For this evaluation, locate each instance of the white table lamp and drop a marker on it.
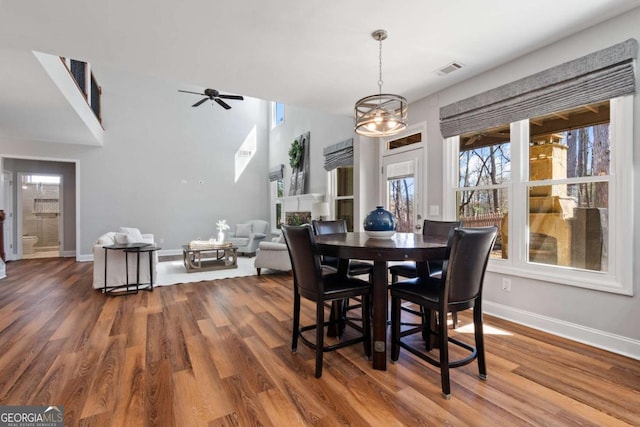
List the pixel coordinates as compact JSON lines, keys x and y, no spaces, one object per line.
{"x":320,"y":210}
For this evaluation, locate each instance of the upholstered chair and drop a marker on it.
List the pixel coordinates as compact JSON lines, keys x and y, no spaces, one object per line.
{"x":248,"y":235}
{"x":310,"y":283}
{"x":458,"y":288}
{"x":272,"y":255}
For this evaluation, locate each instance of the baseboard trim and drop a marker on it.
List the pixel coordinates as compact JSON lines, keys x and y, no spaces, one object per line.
{"x":593,"y":337}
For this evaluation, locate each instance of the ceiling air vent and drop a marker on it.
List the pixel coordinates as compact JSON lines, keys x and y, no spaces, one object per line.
{"x":450,"y":68}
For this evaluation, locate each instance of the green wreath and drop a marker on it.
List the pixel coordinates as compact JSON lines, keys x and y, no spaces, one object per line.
{"x":295,"y":154}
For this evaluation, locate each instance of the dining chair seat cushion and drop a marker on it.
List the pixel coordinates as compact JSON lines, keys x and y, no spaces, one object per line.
{"x":335,"y":286}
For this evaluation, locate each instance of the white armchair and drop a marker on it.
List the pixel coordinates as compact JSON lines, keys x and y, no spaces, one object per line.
{"x":273,"y":255}
{"x":247,"y":236}
{"x":116,"y":268}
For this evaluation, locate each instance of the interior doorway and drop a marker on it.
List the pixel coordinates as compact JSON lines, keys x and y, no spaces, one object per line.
{"x":40,"y":215}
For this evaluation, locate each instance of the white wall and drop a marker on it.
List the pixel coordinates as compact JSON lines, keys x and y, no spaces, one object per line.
{"x":156,"y":150}
{"x":605,"y":320}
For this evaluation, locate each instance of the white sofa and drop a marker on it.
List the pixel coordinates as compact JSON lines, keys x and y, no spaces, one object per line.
{"x":116,"y":268}
{"x":273,"y":255}
{"x":247,"y":236}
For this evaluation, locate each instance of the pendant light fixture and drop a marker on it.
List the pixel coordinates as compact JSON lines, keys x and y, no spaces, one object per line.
{"x":382,"y":114}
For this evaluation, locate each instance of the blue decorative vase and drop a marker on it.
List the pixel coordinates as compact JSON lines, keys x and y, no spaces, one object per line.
{"x":380,"y":223}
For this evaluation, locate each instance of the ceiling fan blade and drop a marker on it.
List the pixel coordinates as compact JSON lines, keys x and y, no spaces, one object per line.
{"x":238,"y":97}
{"x":200,"y":102}
{"x":223,"y":104}
{"x":188,"y":91}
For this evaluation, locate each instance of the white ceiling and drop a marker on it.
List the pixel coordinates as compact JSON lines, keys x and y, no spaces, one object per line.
{"x":317,"y":54}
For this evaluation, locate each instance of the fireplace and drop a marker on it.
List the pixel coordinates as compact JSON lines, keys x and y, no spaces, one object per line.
{"x":296,"y":210}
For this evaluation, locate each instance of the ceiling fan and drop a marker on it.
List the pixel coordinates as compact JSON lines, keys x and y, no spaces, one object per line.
{"x":216,"y":96}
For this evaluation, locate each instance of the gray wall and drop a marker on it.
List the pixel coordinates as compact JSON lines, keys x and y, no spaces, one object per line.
{"x":600,"y":318}
{"x":157,"y":149}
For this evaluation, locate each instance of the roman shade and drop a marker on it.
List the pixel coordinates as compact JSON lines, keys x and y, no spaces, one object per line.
{"x":276,"y":173}
{"x":599,"y":76}
{"x":340,"y":154}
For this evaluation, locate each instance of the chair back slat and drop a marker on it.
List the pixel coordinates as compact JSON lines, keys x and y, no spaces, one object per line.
{"x":468,"y":257}
{"x":305,"y":261}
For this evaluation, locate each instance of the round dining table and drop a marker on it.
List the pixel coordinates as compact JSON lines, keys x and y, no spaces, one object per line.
{"x":399,"y":247}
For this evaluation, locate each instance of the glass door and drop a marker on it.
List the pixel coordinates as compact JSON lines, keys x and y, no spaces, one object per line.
{"x":403,"y":190}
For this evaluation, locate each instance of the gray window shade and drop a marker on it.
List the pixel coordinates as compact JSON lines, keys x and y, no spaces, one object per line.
{"x":340,"y":154}
{"x":599,"y":76}
{"x":276,"y":173}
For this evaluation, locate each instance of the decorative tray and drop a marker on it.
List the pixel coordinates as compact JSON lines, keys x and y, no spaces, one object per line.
{"x":208,"y":244}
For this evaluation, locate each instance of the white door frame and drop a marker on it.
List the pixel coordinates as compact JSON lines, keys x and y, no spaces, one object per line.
{"x":416,"y":153}
{"x":7,"y":186}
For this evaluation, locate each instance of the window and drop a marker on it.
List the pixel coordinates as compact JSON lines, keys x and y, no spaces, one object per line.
{"x":484,"y":174}
{"x":277,"y":192}
{"x":568,"y":187}
{"x":557,"y":186}
{"x":343,"y":191}
{"x":405,"y":141}
{"x":277,"y":114}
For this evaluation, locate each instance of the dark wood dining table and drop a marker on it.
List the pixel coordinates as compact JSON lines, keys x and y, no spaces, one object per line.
{"x":400,"y":247}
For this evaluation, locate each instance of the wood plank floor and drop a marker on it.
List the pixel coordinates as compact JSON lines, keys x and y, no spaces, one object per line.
{"x":217,"y":353}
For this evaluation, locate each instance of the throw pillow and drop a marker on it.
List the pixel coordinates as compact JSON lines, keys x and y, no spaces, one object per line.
{"x":120,"y":238}
{"x":243,"y":230}
{"x":280,"y":239}
{"x":133,"y":234}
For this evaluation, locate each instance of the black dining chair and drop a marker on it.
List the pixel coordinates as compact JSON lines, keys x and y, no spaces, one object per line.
{"x":355,"y":268}
{"x":310,"y":283}
{"x":430,"y":229}
{"x":339,"y":226}
{"x":434,"y":230}
{"x":459,"y":288}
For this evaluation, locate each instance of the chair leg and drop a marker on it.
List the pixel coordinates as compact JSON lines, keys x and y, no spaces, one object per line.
{"x":258,"y":269}
{"x":444,"y":353}
{"x":395,"y":328}
{"x":296,"y":322}
{"x":454,"y":318}
{"x":319,"y":337}
{"x":479,"y":337}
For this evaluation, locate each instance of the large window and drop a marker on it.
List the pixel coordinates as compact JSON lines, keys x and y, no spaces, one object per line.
{"x":557,"y":186}
{"x":568,"y":185}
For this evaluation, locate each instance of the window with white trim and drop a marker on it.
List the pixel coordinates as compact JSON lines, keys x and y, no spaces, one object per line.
{"x":342,"y":191}
{"x":277,"y":114}
{"x":562,"y":188}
